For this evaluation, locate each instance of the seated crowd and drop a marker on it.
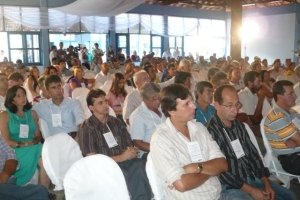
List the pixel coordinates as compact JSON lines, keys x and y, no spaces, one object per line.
{"x":193,"y":119}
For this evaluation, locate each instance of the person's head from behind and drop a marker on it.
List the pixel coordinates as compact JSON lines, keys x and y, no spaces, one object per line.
{"x":204,"y":92}
{"x":177,"y":103}
{"x":226,"y":102}
{"x":252,"y":81}
{"x":15,"y":79}
{"x":140,"y":78}
{"x":16,"y":99}
{"x":220,"y":78}
{"x":211,"y":72}
{"x":284,"y":94}
{"x":183,"y":78}
{"x":184,"y":66}
{"x":54,"y":87}
{"x":150,"y":94}
{"x":97,"y":102}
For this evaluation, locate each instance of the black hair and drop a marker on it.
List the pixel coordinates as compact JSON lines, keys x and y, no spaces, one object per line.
{"x":95,"y":93}
{"x":52,"y":79}
{"x":169,"y":95}
{"x":278,"y":87}
{"x":219,"y":91}
{"x":10,"y":95}
{"x":250,"y":76}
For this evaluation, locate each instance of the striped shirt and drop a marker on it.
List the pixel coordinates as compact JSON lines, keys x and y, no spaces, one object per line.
{"x":279,"y":128}
{"x":250,"y":165}
{"x":91,"y":139}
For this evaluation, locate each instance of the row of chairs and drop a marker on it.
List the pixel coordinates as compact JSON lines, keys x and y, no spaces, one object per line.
{"x":93,"y":177}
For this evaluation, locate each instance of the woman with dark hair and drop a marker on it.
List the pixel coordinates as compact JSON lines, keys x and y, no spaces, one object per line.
{"x":266,"y":84}
{"x":117,"y":94}
{"x":19,"y":128}
{"x":32,"y":83}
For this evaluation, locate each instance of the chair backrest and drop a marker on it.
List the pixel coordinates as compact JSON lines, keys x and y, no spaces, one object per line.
{"x":155,"y":181}
{"x":253,"y":140}
{"x":272,"y":162}
{"x":95,"y":177}
{"x":59,"y":152}
{"x":44,"y":128}
{"x":80,"y":91}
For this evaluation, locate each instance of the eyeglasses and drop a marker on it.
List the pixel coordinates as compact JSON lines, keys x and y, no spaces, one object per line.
{"x":237,"y":106}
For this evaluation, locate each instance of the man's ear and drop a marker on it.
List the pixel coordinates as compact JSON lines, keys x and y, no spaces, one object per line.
{"x":91,"y":108}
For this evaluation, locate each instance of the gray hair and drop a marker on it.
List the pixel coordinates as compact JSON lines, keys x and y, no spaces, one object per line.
{"x":149,"y":89}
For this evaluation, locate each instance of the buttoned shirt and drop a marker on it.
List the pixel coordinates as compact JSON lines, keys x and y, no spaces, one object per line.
{"x":204,"y":116}
{"x":279,"y":127}
{"x":169,"y":153}
{"x":143,"y":123}
{"x":131,"y":102}
{"x":91,"y":138}
{"x":102,"y":78}
{"x":249,"y":165}
{"x":6,"y":153}
{"x":70,"y":111}
{"x":250,"y":100}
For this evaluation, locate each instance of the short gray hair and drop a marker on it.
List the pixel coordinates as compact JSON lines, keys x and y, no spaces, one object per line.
{"x":149,"y":89}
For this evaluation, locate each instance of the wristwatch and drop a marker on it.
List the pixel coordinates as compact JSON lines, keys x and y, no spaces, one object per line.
{"x":199,"y":167}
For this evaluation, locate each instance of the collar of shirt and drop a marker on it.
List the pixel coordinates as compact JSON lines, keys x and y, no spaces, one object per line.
{"x":191,"y":127}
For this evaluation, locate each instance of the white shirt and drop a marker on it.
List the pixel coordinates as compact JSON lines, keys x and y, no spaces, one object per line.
{"x":169,"y":153}
{"x":250,"y":100}
{"x":143,"y":123}
{"x":2,"y":100}
{"x":102,"y":78}
{"x":131,"y":102}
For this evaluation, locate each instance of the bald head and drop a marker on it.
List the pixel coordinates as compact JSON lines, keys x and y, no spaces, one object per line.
{"x":184,"y":66}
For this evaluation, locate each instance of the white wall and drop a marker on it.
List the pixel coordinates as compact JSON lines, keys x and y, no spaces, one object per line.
{"x":274,"y":39}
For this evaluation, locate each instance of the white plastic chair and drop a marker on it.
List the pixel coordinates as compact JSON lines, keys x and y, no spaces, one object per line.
{"x":155,"y":181}
{"x":80,"y":91}
{"x":80,"y":94}
{"x":272,"y":162}
{"x":44,"y":128}
{"x":59,"y":152}
{"x":95,"y":177}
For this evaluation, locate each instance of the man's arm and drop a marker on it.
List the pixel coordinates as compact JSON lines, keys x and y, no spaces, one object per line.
{"x":257,"y":116}
{"x":194,"y":178}
{"x":128,"y":154}
{"x":145,"y":146}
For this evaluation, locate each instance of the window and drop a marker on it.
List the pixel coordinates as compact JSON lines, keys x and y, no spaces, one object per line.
{"x":24,"y":46}
{"x":176,"y":42}
{"x":156,"y":43}
{"x":139,"y":43}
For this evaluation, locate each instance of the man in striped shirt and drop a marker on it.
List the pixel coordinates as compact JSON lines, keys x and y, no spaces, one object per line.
{"x":247,"y":178}
{"x":282,"y":127}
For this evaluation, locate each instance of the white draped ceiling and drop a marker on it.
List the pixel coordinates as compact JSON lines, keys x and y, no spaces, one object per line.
{"x":94,"y":14}
{"x":105,"y":8}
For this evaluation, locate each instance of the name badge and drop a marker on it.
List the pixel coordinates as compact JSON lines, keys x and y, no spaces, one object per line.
{"x":195,"y":152}
{"x":110,"y":139}
{"x":24,"y":131}
{"x":237,"y":148}
{"x":296,"y":122}
{"x":83,"y":85}
{"x":56,"y":120}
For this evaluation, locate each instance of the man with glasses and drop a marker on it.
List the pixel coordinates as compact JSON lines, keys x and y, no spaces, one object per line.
{"x":246,"y":178}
